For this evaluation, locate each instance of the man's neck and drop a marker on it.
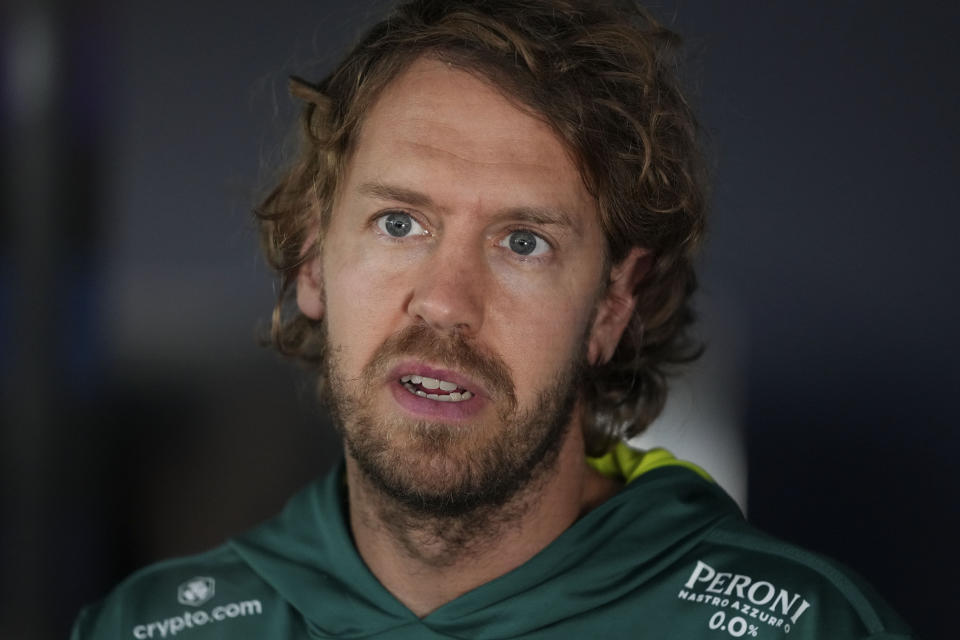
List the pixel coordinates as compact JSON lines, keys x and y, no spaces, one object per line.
{"x":427,"y":562}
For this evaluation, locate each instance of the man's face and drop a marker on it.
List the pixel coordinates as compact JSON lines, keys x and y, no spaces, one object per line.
{"x":459,"y":280}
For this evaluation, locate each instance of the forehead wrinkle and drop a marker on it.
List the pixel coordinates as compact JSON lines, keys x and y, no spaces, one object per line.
{"x":489,"y":163}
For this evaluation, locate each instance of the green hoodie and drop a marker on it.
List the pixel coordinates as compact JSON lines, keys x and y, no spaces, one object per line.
{"x":670,"y":556}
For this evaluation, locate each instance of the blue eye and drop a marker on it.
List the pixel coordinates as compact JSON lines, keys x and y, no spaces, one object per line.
{"x":525,"y":243}
{"x":399,"y":224}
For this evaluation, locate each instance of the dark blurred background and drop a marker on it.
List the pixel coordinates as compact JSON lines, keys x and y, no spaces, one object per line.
{"x":141,"y":419}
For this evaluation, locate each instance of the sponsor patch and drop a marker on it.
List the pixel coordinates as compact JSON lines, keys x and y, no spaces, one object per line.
{"x":745,"y":607}
{"x":194,"y":593}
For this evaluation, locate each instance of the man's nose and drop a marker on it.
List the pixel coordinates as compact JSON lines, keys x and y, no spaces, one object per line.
{"x":448,"y":294}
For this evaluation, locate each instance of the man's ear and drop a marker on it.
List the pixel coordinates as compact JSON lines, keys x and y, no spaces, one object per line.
{"x":617,"y":305}
{"x":310,"y":285}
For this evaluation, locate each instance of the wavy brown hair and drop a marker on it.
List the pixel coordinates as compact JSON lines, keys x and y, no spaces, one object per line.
{"x":604,"y":76}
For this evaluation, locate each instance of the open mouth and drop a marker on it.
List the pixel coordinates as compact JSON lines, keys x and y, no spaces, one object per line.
{"x":434,"y":389}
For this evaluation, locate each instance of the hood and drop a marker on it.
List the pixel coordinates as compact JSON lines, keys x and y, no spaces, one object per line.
{"x":307,"y":554}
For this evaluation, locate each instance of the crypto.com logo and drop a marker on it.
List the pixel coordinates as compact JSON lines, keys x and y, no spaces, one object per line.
{"x":195,"y":591}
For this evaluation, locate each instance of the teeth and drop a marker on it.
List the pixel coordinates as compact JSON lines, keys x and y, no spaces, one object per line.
{"x":429,"y":383}
{"x":440,"y":397}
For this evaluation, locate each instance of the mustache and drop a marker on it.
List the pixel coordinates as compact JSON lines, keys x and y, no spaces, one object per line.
{"x":451,"y":350}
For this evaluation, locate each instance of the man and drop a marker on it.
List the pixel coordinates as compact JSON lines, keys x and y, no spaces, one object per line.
{"x":488,"y":238}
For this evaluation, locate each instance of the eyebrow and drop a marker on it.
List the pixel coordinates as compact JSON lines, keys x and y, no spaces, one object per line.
{"x":547,"y":216}
{"x":382,"y":191}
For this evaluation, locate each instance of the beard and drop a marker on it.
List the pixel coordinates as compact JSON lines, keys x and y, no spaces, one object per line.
{"x":443,"y":470}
